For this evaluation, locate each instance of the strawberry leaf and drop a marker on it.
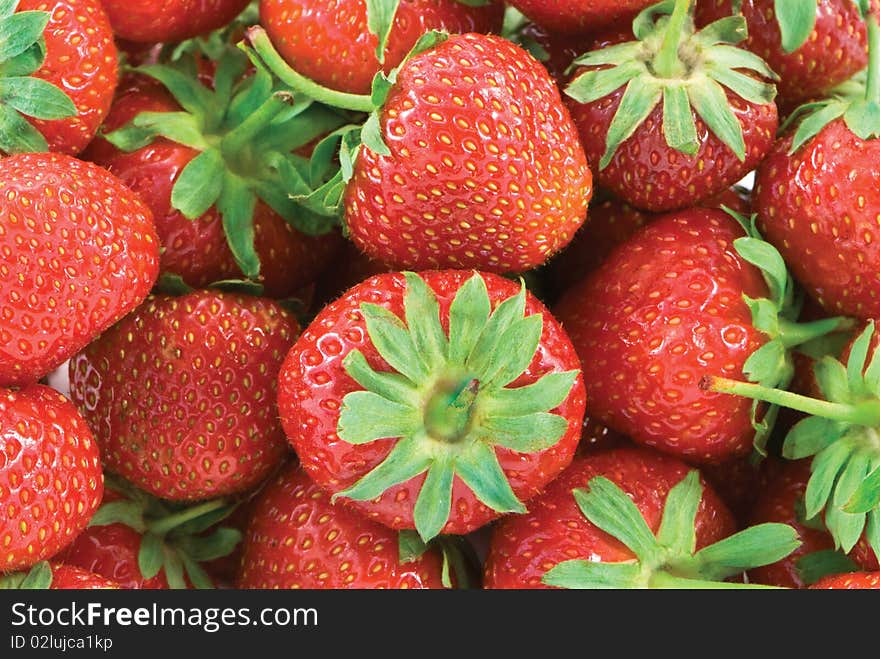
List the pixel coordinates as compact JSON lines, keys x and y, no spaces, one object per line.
{"x":678,"y":525}
{"x":810,"y":436}
{"x":236,"y":204}
{"x":36,"y":98}
{"x":579,"y":574}
{"x":17,"y":135}
{"x":380,"y":21}
{"x":710,"y":102}
{"x":199,"y":185}
{"x":435,"y":499}
{"x":796,"y":21}
{"x":818,"y":564}
{"x":637,"y":102}
{"x":151,"y":555}
{"x":480,"y":471}
{"x":753,"y":547}
{"x":20,"y":31}
{"x":679,"y":128}
{"x":867,"y":495}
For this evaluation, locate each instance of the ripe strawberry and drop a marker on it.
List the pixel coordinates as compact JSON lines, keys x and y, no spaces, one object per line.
{"x":604,"y":536}
{"x":820,"y":50}
{"x":579,"y":16}
{"x":442,"y":423}
{"x":850,"y":581}
{"x":198,"y":248}
{"x":140,"y":542}
{"x":181,"y":393}
{"x":50,"y":475}
{"x":665,"y":128}
{"x":56,"y":576}
{"x":679,"y":300}
{"x":170,"y":20}
{"x":298,"y":539}
{"x":468,"y":160}
{"x":78,"y":251}
{"x":336,"y":43}
{"x":59,"y":71}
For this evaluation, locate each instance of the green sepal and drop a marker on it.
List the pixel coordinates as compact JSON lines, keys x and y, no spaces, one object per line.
{"x":20,"y":31}
{"x":833,"y":379}
{"x":594,"y":84}
{"x":812,"y":124}
{"x":391,"y":386}
{"x":796,"y":21}
{"x":724,"y":31}
{"x":678,"y":525}
{"x":193,"y":96}
{"x":405,"y":461}
{"x":391,"y":338}
{"x":151,"y":555}
{"x":371,"y":136}
{"x":481,"y":472}
{"x":36,"y":98}
{"x":609,"y":508}
{"x":194,"y":572}
{"x":380,"y":21}
{"x":410,"y":547}
{"x":39,"y":577}
{"x":124,"y":511}
{"x":172,"y":564}
{"x":825,"y":468}
{"x":580,"y":574}
{"x":468,"y":316}
{"x":216,"y":545}
{"x":199,"y":185}
{"x":710,"y":102}
{"x":872,"y":531}
{"x":638,"y":101}
{"x":679,"y":128}
{"x":17,"y":135}
{"x":422,"y":316}
{"x":367,"y":416}
{"x":434,"y":502}
{"x":236,"y":204}
{"x":818,"y":564}
{"x":752,"y":547}
{"x":867,"y":496}
{"x":24,"y":63}
{"x":810,"y":436}
{"x":7,"y":7}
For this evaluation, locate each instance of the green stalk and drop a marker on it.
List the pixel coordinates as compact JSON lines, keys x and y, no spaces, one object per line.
{"x":665,"y":580}
{"x":166,"y":524}
{"x":236,"y":140}
{"x":794,"y":334}
{"x":449,"y":412}
{"x":866,"y":413}
{"x":258,"y":39}
{"x":872,"y":91}
{"x":667,"y":63}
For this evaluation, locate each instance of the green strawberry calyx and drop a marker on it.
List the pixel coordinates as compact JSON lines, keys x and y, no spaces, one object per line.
{"x":447,"y":401}
{"x":796,"y":21}
{"x":688,"y":71}
{"x":772,"y":365}
{"x":669,"y":559}
{"x":460,"y":566}
{"x":39,"y":577}
{"x":246,"y":131}
{"x":22,"y":53}
{"x":173,"y":536}
{"x":857,"y":100}
{"x":824,"y":563}
{"x":319,"y":189}
{"x":841,"y":435}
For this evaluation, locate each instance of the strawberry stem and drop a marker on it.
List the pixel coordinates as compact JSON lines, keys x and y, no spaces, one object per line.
{"x":163,"y":526}
{"x":257,"y":39}
{"x":449,"y":411}
{"x":235,"y":142}
{"x":872,"y":91}
{"x":667,"y":63}
{"x":794,"y":334}
{"x":865,"y":413}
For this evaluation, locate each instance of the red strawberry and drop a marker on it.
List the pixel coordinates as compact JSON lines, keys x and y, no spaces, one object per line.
{"x":140,"y":542}
{"x":78,"y":250}
{"x":663,"y":129}
{"x":50,"y":475}
{"x":579,"y":16}
{"x":56,"y":576}
{"x":488,"y":406}
{"x":850,"y":581}
{"x":170,"y":20}
{"x":820,"y":50}
{"x":485,"y":169}
{"x":604,"y":535}
{"x":667,"y":308}
{"x":181,"y":393}
{"x":333,"y":43}
{"x":197,"y":249}
{"x":69,"y":45}
{"x":298,"y":539}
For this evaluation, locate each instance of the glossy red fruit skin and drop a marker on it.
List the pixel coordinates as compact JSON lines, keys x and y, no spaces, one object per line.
{"x":524,"y":547}
{"x":485,"y":170}
{"x":329,"y":41}
{"x":181,"y":393}
{"x":81,"y":61}
{"x":783,"y":487}
{"x":579,"y":16}
{"x":78,"y":250}
{"x":69,"y":577}
{"x":665,"y":309}
{"x":819,"y":208}
{"x":50,"y":475}
{"x":297,"y":539}
{"x":169,"y":20}
{"x":197,"y":250}
{"x":650,"y":175}
{"x":835,"y":50}
{"x":313,"y":383}
{"x":849,"y":581}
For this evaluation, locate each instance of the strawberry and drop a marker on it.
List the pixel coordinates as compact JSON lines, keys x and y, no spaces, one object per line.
{"x":850,"y":581}
{"x":59,"y":72}
{"x":628,"y":518}
{"x":56,"y":576}
{"x":181,"y":393}
{"x":140,"y":542}
{"x":687,"y":295}
{"x":675,"y":116}
{"x":579,"y":16}
{"x":78,"y":250}
{"x":198,"y":248}
{"x":468,"y":159}
{"x":50,"y":475}
{"x":170,"y":20}
{"x":205,"y":143}
{"x":812,"y":49}
{"x":298,"y":539}
{"x":336,"y":43}
{"x":436,"y":401}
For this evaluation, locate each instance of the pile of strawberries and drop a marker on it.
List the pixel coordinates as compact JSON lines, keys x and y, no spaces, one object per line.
{"x":439,"y":293}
